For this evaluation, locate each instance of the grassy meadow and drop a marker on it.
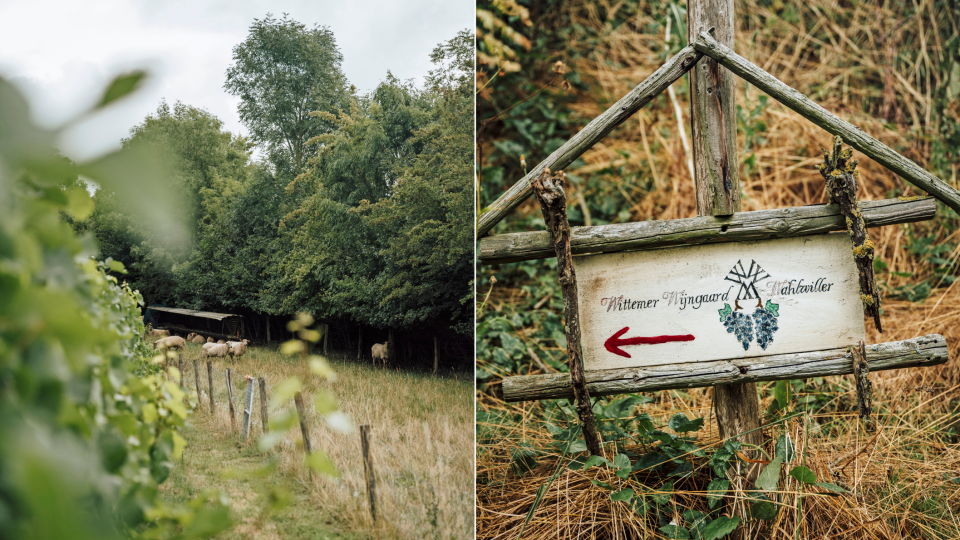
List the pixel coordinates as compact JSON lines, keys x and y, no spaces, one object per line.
{"x":890,"y":68}
{"x":422,"y":427}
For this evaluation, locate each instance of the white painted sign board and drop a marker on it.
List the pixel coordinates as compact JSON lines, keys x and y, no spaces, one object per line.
{"x":718,"y":301}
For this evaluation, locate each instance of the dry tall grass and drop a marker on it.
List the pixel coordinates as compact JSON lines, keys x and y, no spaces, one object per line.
{"x":423,"y":442}
{"x":872,"y":67}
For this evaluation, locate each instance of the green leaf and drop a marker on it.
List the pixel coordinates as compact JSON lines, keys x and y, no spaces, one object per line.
{"x":675,"y":532}
{"x":318,"y":461}
{"x":772,"y":308}
{"x":770,"y":476}
{"x":782,"y":394}
{"x":784,"y":449}
{"x":523,"y":460}
{"x":765,"y":510}
{"x":325,"y":402}
{"x":601,"y":484}
{"x":622,"y":495}
{"x":681,"y":424}
{"x":663,"y":494}
{"x":831,"y":487}
{"x":803,"y":474}
{"x":727,"y":310}
{"x":121,"y":86}
{"x":716,"y":490}
{"x":720,"y":527}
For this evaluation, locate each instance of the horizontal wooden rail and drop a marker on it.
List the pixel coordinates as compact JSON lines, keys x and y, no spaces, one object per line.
{"x":851,"y":134}
{"x":923,"y":351}
{"x":650,"y":88}
{"x":740,"y":227}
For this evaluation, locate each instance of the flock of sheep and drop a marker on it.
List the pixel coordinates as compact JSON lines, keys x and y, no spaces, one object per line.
{"x":233,"y":349}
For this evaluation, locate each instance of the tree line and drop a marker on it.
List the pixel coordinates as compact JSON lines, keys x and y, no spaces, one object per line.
{"x":358,"y":207}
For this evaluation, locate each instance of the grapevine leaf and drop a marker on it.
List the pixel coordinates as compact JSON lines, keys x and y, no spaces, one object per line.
{"x":772,"y":308}
{"x":727,"y":310}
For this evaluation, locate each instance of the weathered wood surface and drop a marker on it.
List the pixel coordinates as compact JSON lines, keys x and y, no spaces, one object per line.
{"x":196,"y":379}
{"x":298,"y":400}
{"x":233,"y":413}
{"x":553,"y":206}
{"x":264,"y":415}
{"x":713,"y":114}
{"x":861,"y":373}
{"x":852,"y":135}
{"x":210,"y":384}
{"x":247,"y":409}
{"x":740,"y":227}
{"x":597,"y":129}
{"x":929,"y":350}
{"x":840,"y":173}
{"x":683,"y":296}
{"x":365,"y":437}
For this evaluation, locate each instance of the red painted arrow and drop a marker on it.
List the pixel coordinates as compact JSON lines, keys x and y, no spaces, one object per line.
{"x":614,"y":343}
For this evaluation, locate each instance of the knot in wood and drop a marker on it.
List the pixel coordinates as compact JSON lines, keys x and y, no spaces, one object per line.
{"x":781,"y":226}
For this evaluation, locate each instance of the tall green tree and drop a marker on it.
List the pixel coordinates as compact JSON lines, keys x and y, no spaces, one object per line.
{"x":282,"y":72}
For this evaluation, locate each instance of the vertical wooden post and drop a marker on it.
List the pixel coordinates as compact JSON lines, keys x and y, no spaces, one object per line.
{"x":263,"y":405}
{"x":233,"y":418}
{"x":360,"y":344}
{"x":716,"y":163}
{"x":553,"y":206}
{"x":247,"y":408}
{"x":180,"y":368}
{"x":717,"y":180}
{"x":210,"y":383}
{"x":326,"y":337}
{"x":196,"y":379}
{"x":436,"y":356}
{"x":298,"y":399}
{"x":368,"y":470}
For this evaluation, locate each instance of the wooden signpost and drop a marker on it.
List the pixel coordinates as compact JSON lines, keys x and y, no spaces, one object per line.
{"x":727,"y":298}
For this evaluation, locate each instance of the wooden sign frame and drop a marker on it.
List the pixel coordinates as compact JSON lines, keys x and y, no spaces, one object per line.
{"x":786,"y":222}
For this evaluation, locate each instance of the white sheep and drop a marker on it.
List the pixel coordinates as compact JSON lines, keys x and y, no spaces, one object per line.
{"x":380,"y":352}
{"x":197,"y":339}
{"x":214,"y":349}
{"x":172,"y":342}
{"x":237,"y":348}
{"x":158,"y":332}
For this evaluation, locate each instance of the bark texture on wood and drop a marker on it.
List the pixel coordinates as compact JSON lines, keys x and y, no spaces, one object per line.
{"x":712,"y":113}
{"x":264,"y":415}
{"x":247,"y":409}
{"x":553,"y":205}
{"x":597,"y":129}
{"x":861,"y":370}
{"x":854,"y":136}
{"x":841,"y":175}
{"x":196,"y":378}
{"x":368,"y":470}
{"x":740,"y":227}
{"x":298,"y":399}
{"x":233,"y":415}
{"x":210,"y":383}
{"x":930,"y":350}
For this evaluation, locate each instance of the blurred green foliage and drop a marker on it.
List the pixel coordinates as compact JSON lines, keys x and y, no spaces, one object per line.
{"x":89,"y":424}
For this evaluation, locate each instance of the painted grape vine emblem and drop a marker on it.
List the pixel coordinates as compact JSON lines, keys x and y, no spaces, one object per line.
{"x":763,"y":322}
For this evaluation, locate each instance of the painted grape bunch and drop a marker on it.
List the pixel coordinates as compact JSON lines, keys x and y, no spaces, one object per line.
{"x":763,"y":324}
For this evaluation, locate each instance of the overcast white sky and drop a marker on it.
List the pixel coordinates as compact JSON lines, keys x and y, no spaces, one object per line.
{"x":62,"y":52}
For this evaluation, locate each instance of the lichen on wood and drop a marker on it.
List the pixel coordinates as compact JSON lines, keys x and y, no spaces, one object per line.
{"x":841,"y":174}
{"x":553,"y":204}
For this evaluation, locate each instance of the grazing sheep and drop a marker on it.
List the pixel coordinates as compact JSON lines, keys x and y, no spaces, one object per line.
{"x":191,"y":335}
{"x":210,"y":340}
{"x":214,"y":349}
{"x":171,"y":342}
{"x":221,"y":341}
{"x":159,"y":333}
{"x":197,"y":339}
{"x":380,"y":352}
{"x":237,"y":348}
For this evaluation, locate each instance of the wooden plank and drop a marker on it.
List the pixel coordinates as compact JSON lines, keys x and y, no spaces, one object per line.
{"x":713,"y":115}
{"x":682,"y":298}
{"x":597,"y":129}
{"x":742,"y":226}
{"x":365,"y":437}
{"x":851,"y":134}
{"x":929,"y":350}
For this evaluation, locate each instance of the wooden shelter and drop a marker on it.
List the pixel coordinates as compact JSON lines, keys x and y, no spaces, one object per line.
{"x":206,"y":323}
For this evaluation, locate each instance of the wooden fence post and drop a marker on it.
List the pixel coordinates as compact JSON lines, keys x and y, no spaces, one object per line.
{"x":196,"y":379}
{"x":263,"y":405}
{"x":298,"y":399}
{"x":233,"y":417}
{"x":247,"y":408}
{"x":436,"y":355}
{"x":210,"y":383}
{"x":180,"y":368}
{"x":368,"y":471}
